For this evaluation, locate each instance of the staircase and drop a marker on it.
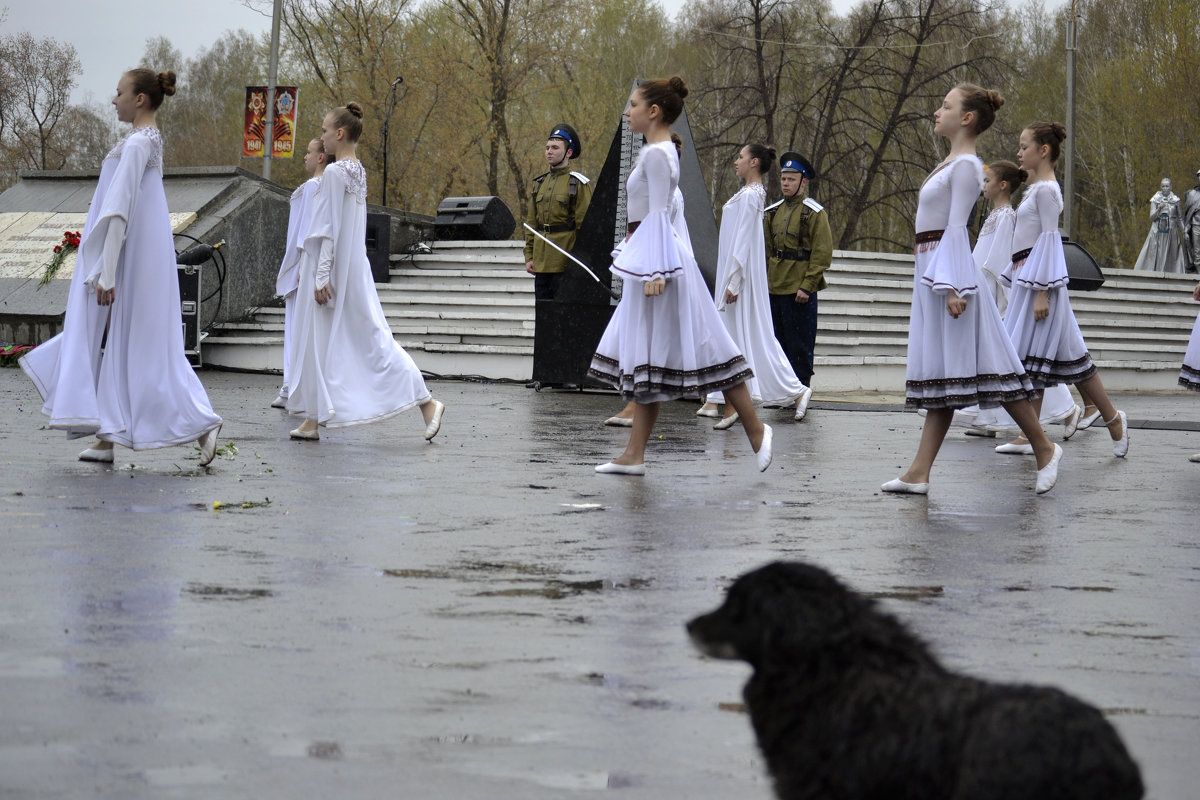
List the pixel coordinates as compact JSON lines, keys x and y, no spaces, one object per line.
{"x":467,"y":308}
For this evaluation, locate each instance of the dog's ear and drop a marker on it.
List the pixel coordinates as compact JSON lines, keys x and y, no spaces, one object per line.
{"x":794,"y":611}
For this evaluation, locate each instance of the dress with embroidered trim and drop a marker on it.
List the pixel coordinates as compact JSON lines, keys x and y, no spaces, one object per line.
{"x":993,"y":254}
{"x":742,"y":270}
{"x":674,"y":344}
{"x":953,"y":363}
{"x":139,"y":391}
{"x":1052,"y":350}
{"x":299,"y":218}
{"x":1189,"y":375}
{"x":349,"y":370}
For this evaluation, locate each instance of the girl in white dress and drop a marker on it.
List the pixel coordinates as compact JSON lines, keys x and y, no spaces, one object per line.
{"x":958,"y":354}
{"x":1189,"y":375}
{"x":1040,"y":321}
{"x":118,"y":369}
{"x":993,"y":253}
{"x":299,"y":217}
{"x":741,"y":290}
{"x":349,"y":370}
{"x":665,"y":340}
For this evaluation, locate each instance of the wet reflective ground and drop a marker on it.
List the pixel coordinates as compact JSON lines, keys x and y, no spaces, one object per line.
{"x":484,"y":617}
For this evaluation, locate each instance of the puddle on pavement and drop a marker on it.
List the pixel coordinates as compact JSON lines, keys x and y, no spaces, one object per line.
{"x":908,"y":593}
{"x":210,"y":592}
{"x":326,"y":751}
{"x":142,"y":509}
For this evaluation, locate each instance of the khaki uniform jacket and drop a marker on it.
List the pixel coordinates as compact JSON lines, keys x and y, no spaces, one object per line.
{"x":550,"y":208}
{"x":797,"y":224}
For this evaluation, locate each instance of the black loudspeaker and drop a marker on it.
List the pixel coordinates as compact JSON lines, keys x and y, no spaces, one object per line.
{"x":473,"y":218}
{"x":379,"y":246}
{"x":1082,"y":269}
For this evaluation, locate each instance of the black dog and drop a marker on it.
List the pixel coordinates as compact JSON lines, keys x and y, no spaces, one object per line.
{"x":848,"y":705}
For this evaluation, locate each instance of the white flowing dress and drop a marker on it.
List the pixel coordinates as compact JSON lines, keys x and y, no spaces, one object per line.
{"x":348,"y":368}
{"x":1189,"y":375}
{"x":139,"y":391}
{"x":1052,"y":350}
{"x":671,"y":345}
{"x":742,"y":270}
{"x":953,"y":363}
{"x":299,"y":219}
{"x":993,"y":253}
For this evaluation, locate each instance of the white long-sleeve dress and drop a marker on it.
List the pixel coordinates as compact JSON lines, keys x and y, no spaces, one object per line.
{"x":139,"y":391}
{"x":993,"y":254}
{"x":348,"y":370}
{"x":953,"y":363}
{"x":299,"y":220}
{"x":1052,"y":350}
{"x":1189,"y":374}
{"x":742,"y":270}
{"x":671,"y":345}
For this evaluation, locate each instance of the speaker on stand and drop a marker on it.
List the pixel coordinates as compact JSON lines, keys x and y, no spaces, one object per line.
{"x":473,"y":218}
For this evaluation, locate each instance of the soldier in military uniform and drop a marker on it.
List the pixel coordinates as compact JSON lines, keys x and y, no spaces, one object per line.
{"x":556,"y":208}
{"x":799,"y":250}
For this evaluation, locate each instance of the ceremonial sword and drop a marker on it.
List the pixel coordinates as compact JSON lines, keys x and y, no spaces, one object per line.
{"x":586,"y":268}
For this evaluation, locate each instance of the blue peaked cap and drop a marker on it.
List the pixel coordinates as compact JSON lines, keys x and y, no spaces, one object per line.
{"x":791,"y":161}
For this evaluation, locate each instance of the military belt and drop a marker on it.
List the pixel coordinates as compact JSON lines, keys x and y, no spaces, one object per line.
{"x":792,"y":255}
{"x":561,"y":227}
{"x":1018,"y":258}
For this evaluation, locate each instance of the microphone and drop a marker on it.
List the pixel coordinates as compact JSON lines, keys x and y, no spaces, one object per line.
{"x":399,"y":80}
{"x":197,"y":254}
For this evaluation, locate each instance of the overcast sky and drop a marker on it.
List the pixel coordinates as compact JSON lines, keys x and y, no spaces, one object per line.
{"x":110,"y":35}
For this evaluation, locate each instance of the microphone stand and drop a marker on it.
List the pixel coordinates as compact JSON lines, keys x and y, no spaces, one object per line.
{"x":383,"y":143}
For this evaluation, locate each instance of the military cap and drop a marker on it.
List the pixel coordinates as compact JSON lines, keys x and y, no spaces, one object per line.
{"x":791,"y":161}
{"x":565,"y":132}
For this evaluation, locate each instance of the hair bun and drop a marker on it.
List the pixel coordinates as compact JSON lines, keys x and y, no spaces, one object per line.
{"x":355,"y":109}
{"x":994,"y":99}
{"x":770,"y":153}
{"x":678,"y":86}
{"x":1060,"y":131}
{"x":1024,"y":175}
{"x":166,"y":81}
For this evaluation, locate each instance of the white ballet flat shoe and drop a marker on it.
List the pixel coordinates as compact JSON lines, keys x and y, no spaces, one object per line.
{"x":802,"y":403}
{"x":306,"y":436}
{"x":898,"y":486}
{"x":435,"y":423}
{"x":1195,"y":459}
{"x":619,"y":422}
{"x":97,"y":456}
{"x":984,"y":432}
{"x":1015,"y":449}
{"x":1047,"y":476}
{"x":279,"y":402}
{"x":1120,"y":446}
{"x":709,"y":410}
{"x":726,"y":423}
{"x":621,"y":469}
{"x":763,"y":454}
{"x":208,"y":446}
{"x":1071,"y":423}
{"x":1089,"y":420}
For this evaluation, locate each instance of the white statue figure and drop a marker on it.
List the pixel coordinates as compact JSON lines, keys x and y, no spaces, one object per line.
{"x":1191,"y":223}
{"x":1163,"y":250}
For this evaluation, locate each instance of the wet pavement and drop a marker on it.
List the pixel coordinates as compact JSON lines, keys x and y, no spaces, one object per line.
{"x":485,"y":617}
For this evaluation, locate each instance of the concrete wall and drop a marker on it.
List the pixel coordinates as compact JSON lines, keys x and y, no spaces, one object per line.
{"x":248,"y":212}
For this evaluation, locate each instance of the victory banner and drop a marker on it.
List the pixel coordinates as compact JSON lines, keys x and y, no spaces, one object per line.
{"x":284,"y":136}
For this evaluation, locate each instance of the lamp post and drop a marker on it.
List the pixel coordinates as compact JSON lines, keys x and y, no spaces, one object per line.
{"x":1069,"y":171}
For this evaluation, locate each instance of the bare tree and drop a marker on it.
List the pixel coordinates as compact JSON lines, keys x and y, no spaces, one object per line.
{"x":41,"y":73}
